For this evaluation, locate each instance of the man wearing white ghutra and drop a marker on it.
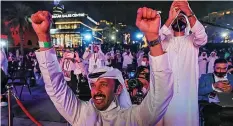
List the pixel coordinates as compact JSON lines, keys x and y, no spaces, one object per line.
{"x":183,"y":49}
{"x":95,"y":57}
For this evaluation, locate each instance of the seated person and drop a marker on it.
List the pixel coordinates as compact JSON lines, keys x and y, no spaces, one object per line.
{"x":110,"y":104}
{"x":209,"y":84}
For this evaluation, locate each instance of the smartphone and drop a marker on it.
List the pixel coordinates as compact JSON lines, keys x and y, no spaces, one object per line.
{"x":226,"y":82}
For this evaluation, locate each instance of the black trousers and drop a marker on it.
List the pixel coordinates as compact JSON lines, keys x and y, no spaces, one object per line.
{"x":215,"y":115}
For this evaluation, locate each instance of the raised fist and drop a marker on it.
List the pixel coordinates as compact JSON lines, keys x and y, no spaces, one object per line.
{"x":41,"y":22}
{"x":148,"y":21}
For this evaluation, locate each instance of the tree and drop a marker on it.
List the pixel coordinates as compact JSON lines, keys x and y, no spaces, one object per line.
{"x":17,"y":16}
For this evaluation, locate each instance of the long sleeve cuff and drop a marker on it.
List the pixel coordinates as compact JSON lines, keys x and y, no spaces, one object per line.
{"x":45,"y":58}
{"x":197,"y":27}
{"x":165,"y":30}
{"x":159,"y":63}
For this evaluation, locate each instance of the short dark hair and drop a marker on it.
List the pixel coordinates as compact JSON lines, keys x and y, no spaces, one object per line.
{"x":220,"y":60}
{"x":145,"y":56}
{"x":117,"y":83}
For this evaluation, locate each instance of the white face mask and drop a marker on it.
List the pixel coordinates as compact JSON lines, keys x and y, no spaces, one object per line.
{"x":143,"y":63}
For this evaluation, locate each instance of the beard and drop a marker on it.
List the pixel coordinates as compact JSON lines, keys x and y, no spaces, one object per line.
{"x":220,"y":74}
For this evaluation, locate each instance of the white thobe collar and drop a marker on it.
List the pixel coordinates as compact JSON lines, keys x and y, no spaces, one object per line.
{"x":112,"y":105}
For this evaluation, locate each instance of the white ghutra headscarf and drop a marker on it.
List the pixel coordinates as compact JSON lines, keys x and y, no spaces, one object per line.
{"x":112,"y":73}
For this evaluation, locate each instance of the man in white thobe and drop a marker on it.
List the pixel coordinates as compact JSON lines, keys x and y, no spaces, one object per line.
{"x":110,"y":104}
{"x":96,"y":58}
{"x":108,"y":59}
{"x":127,"y":58}
{"x":213,"y":56}
{"x":140,"y":55}
{"x":183,"y":50}
{"x":67,"y":65}
{"x":202,"y":61}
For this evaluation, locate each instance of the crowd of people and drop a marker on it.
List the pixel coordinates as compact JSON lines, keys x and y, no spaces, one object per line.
{"x":14,"y":66}
{"x":132,"y":66}
{"x":166,"y":80}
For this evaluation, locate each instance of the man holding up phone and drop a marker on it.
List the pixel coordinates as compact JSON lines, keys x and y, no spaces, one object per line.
{"x":95,"y":58}
{"x":209,"y":86}
{"x":183,"y":49}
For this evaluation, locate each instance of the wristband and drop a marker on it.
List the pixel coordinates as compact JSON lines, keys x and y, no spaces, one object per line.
{"x":154,"y":42}
{"x":45,"y":44}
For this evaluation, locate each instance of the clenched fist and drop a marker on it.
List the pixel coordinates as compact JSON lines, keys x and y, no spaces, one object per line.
{"x":148,"y":21}
{"x":41,"y":24}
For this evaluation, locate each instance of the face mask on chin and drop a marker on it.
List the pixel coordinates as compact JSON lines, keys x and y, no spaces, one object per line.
{"x":220,"y":74}
{"x":178,"y":26}
{"x":143,"y":63}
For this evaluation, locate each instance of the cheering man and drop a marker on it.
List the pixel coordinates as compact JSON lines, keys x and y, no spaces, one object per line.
{"x":110,"y":104}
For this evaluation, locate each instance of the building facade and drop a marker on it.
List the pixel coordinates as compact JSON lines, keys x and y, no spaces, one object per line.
{"x":219,"y":26}
{"x":70,"y":28}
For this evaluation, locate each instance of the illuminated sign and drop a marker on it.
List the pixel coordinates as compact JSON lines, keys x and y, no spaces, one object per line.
{"x":68,"y":15}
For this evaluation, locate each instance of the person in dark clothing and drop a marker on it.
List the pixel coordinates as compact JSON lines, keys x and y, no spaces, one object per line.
{"x":3,"y":88}
{"x":4,"y":67}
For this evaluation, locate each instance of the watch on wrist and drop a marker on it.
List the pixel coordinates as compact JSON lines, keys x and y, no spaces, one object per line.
{"x":154,"y":42}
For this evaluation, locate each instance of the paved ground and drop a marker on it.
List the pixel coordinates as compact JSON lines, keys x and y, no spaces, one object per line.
{"x":38,"y":104}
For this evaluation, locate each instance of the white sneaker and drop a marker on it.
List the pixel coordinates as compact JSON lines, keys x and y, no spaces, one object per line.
{"x":4,"y":104}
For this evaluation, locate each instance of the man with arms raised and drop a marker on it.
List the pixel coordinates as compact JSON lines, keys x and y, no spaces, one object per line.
{"x":183,"y":49}
{"x":110,"y":104}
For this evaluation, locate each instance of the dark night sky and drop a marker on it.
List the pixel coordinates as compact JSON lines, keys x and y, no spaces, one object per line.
{"x":123,"y":11}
